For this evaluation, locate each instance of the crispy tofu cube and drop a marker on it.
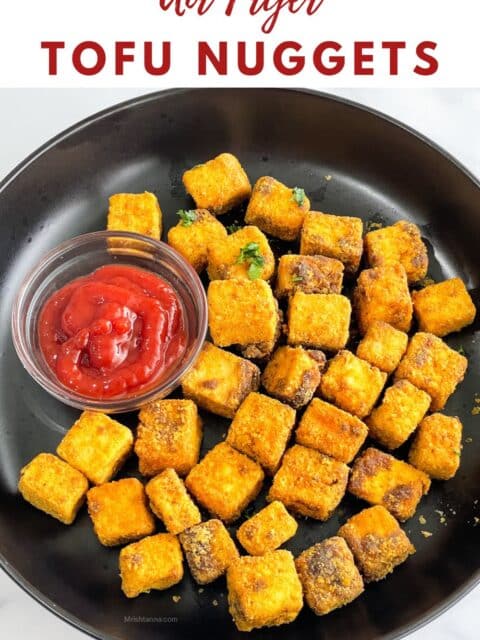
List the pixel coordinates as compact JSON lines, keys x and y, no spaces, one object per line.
{"x":219,"y":184}
{"x":310,"y":274}
{"x":261,"y":429}
{"x":377,"y":542}
{"x":309,"y":483}
{"x":338,"y":237}
{"x":319,"y":320}
{"x":383,"y":346}
{"x":228,"y":257}
{"x":431,"y":365}
{"x":243,"y":313}
{"x":444,"y":307}
{"x":192,"y":240}
{"x":97,"y":446}
{"x":382,"y":294}
{"x":379,"y":478}
{"x":53,"y":486}
{"x":400,"y":412}
{"x":225,"y":481}
{"x":437,"y":446}
{"x":219,"y":381}
{"x":328,"y":575}
{"x":155,"y":562}
{"x":135,"y":212}
{"x":401,"y":243}
{"x":277,"y":209}
{"x":331,"y":431}
{"x":169,"y":435}
{"x":170,"y":502}
{"x":352,"y":384}
{"x":209,"y":550}
{"x":264,"y":591}
{"x":119,"y":512}
{"x":267,"y":529}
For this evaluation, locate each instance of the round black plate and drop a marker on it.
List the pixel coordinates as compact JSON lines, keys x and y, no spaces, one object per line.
{"x":351,"y":161}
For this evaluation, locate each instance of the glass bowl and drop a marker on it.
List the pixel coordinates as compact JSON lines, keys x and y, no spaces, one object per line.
{"x":80,"y":256}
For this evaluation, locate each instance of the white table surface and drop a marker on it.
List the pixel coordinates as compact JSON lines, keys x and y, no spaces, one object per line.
{"x":30,"y":117}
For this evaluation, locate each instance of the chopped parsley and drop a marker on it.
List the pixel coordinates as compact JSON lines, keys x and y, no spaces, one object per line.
{"x":250,"y":254}
{"x":232,"y":228}
{"x":297,"y":278}
{"x":461,"y":350}
{"x":187,"y":217}
{"x":298,"y":195}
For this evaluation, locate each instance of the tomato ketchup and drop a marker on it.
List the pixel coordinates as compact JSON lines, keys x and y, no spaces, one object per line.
{"x":113,"y":332}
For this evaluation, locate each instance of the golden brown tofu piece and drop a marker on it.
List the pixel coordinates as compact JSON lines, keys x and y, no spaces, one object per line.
{"x":383,"y":346}
{"x":264,"y":591}
{"x":444,"y":307}
{"x":243,"y":313}
{"x":310,"y":274}
{"x":53,"y":486}
{"x":338,"y":237}
{"x":293,"y":374}
{"x":225,"y":481}
{"x":437,"y":446}
{"x":155,"y":562}
{"x":169,"y":435}
{"x":277,"y":209}
{"x":135,"y":212}
{"x":319,"y":320}
{"x":309,"y":483}
{"x":267,"y":529}
{"x":219,"y":381}
{"x":170,"y":502}
{"x":431,"y":365}
{"x":377,"y":542}
{"x":261,"y":429}
{"x":119,"y":512}
{"x":192,"y":236}
{"x":236,"y":256}
{"x":400,"y":412}
{"x":382,"y":294}
{"x":331,"y":431}
{"x":218,"y":184}
{"x":401,"y":243}
{"x":352,"y":384}
{"x":209,"y":550}
{"x":328,"y":575}
{"x":97,"y":446}
{"x":379,"y":478}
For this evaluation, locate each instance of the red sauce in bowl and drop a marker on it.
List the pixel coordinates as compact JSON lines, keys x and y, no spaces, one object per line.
{"x":113,"y":332}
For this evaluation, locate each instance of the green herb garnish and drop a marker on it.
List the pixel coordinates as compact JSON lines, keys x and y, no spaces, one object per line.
{"x":298,"y":195}
{"x":461,"y":350}
{"x":251,"y":255}
{"x":297,"y":278}
{"x":187,"y":217}
{"x":232,"y":228}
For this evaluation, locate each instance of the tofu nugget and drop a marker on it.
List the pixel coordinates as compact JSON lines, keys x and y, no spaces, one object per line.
{"x":219,"y":184}
{"x":170,"y":502}
{"x":338,"y":237}
{"x":383,"y":346}
{"x":382,"y":294}
{"x":401,"y":243}
{"x":444,"y":307}
{"x":352,"y":384}
{"x":377,"y":542}
{"x":328,"y":575}
{"x":319,"y":320}
{"x":267,"y":529}
{"x":400,"y":412}
{"x":431,"y":365}
{"x":277,"y":209}
{"x":309,"y":483}
{"x":219,"y":381}
{"x":437,"y":446}
{"x":264,"y":591}
{"x":53,"y":486}
{"x":225,"y":481}
{"x":331,"y":431}
{"x":379,"y":478}
{"x":310,"y":274}
{"x":136,"y":212}
{"x":153,"y":563}
{"x":97,"y":446}
{"x":169,"y":435}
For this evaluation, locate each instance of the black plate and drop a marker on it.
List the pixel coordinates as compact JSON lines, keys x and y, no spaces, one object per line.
{"x":379,"y":169}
